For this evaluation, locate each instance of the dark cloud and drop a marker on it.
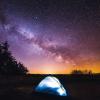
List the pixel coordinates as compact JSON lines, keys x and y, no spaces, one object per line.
{"x":3,"y":16}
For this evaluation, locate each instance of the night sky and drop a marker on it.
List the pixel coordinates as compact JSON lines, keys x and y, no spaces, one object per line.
{"x":52,"y":36}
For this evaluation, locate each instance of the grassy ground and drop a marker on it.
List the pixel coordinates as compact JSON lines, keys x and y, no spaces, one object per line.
{"x":80,"y":87}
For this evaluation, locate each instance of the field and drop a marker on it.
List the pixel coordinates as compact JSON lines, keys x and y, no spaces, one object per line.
{"x":79,"y":87}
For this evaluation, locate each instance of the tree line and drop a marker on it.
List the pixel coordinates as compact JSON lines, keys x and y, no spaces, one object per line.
{"x":8,"y":64}
{"x":81,"y":72}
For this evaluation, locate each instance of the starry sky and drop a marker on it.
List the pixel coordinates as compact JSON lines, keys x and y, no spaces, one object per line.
{"x":52,"y":36}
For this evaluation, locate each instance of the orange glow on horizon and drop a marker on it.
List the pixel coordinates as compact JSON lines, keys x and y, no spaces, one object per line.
{"x":64,"y":70}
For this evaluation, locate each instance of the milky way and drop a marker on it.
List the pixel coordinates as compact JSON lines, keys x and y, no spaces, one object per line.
{"x":52,"y":36}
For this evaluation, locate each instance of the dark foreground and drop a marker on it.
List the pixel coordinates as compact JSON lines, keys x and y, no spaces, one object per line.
{"x":79,"y":87}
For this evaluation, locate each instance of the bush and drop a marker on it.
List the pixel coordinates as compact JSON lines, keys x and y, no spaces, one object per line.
{"x":81,"y":72}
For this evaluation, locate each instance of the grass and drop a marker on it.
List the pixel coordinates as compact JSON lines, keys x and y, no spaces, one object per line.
{"x":80,"y":87}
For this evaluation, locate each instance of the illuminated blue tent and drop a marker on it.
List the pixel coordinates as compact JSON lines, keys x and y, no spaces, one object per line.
{"x":51,"y":85}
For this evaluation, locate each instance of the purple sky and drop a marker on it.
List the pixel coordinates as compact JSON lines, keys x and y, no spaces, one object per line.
{"x":52,"y":36}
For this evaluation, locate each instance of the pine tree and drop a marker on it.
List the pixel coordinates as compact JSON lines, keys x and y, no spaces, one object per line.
{"x":8,"y":64}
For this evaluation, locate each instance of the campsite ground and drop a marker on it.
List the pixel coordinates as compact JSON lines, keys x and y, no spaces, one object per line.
{"x":79,"y":87}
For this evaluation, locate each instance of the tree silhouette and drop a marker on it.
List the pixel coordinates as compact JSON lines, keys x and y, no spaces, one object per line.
{"x":8,"y":64}
{"x":81,"y":72}
{"x":76,"y":72}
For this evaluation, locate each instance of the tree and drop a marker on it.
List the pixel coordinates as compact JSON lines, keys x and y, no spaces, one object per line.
{"x":76,"y":72}
{"x":81,"y":72}
{"x":8,"y":64}
{"x":22,"y":69}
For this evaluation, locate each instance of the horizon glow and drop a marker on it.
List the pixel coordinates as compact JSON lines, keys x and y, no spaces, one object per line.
{"x":50,"y":37}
